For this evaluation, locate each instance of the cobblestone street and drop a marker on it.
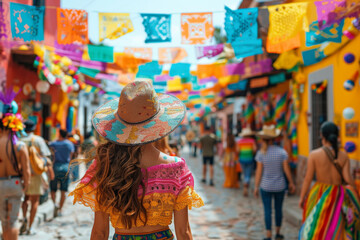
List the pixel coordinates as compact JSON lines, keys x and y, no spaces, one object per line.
{"x":226,"y":215}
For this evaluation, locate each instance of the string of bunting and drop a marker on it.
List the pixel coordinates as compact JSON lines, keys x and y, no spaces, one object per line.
{"x":73,"y":56}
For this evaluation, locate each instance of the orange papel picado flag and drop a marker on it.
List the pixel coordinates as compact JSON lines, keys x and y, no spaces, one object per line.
{"x":171,"y":55}
{"x":286,"y":23}
{"x":142,"y":53}
{"x":196,"y":28}
{"x":72,"y":26}
{"x":114,"y":25}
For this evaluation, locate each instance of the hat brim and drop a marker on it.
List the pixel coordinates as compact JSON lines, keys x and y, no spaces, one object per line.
{"x":261,"y":134}
{"x":107,"y":123}
{"x":247,"y":134}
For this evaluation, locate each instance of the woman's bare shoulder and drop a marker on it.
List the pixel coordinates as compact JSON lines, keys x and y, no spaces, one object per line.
{"x":316,"y":152}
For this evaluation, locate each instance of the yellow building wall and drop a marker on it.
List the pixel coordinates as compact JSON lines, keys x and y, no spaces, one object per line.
{"x":342,"y":98}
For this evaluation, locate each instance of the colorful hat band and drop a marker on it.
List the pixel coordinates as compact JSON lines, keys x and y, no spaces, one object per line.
{"x":134,"y":123}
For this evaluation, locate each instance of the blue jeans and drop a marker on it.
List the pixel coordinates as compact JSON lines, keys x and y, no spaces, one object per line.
{"x":247,"y":170}
{"x":267,"y":200}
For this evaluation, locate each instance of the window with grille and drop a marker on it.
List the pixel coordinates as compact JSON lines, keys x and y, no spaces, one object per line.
{"x":318,"y":116}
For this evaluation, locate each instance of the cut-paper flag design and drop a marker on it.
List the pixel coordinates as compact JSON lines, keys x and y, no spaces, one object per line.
{"x":128,"y":61}
{"x":287,"y":60}
{"x":101,"y":53}
{"x":3,"y":27}
{"x":312,"y":56}
{"x":180,"y":69}
{"x":277,"y":78}
{"x":330,"y":34}
{"x":241,"y":24}
{"x":27,"y":22}
{"x":171,"y":55}
{"x":239,"y":86}
{"x":149,"y":70}
{"x":209,"y":51}
{"x":260,"y":67}
{"x":235,"y":69}
{"x":157,"y":27}
{"x":333,"y":11}
{"x":114,"y":25}
{"x":196,"y":28}
{"x":286,"y":23}
{"x":248,"y":48}
{"x":142,"y":53}
{"x":259,"y":82}
{"x":72,"y":26}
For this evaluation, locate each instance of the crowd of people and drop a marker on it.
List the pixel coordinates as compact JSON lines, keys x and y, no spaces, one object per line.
{"x":31,"y":167}
{"x":261,"y":152}
{"x":137,"y":182}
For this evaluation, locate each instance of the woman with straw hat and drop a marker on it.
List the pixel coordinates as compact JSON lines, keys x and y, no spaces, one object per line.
{"x":130,"y":182}
{"x":246,"y":148}
{"x":272,"y":163}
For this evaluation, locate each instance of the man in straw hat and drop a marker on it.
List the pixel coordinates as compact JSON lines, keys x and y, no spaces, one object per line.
{"x":246,"y":147}
{"x":272,"y":166}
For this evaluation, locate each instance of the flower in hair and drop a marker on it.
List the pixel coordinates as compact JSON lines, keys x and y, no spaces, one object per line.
{"x":13,"y":122}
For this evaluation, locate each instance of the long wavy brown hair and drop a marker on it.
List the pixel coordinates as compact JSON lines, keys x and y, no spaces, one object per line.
{"x":163,"y":145}
{"x":119,"y":178}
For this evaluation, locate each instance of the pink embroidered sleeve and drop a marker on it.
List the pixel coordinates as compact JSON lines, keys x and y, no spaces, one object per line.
{"x":187,"y":197}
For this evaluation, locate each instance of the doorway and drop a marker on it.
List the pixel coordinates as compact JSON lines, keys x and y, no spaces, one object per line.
{"x":46,"y":112}
{"x":321,"y":105}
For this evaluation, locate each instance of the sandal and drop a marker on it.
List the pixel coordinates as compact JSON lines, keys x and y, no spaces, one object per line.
{"x":279,"y":237}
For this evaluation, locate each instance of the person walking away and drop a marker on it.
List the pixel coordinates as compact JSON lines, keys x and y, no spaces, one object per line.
{"x":64,"y":151}
{"x":196,"y":139}
{"x":14,"y":167}
{"x":137,"y":187}
{"x":37,"y":182}
{"x":272,"y":163}
{"x":229,"y":161}
{"x":208,"y":146}
{"x":190,"y":136}
{"x":246,"y":147}
{"x":332,"y":209}
{"x":74,"y":169}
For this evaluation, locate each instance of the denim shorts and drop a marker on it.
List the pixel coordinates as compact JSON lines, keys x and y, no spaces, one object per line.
{"x":61,"y":177}
{"x":11,"y":192}
{"x":209,"y":160}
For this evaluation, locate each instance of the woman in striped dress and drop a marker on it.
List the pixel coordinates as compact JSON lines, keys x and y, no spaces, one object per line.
{"x":331,"y":209}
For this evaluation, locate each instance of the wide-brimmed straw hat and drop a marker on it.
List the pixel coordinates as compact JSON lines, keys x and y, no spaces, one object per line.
{"x":269,"y":132}
{"x":139,"y":116}
{"x":246,"y":132}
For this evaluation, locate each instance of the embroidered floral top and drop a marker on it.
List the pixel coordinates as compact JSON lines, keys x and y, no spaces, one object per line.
{"x":169,"y":187}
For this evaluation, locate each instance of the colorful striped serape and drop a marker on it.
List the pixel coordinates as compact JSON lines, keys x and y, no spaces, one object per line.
{"x":331,"y":213}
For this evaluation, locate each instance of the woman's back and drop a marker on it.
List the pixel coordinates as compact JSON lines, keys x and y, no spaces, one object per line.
{"x":325,"y":170}
{"x":168,"y":188}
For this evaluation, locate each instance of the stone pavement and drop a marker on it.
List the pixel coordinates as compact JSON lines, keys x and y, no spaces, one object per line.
{"x":226,"y":214}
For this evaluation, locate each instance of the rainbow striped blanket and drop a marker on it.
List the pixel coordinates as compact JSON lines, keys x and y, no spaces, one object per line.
{"x":331,"y":213}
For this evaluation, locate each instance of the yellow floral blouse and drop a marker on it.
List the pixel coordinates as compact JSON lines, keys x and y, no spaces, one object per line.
{"x":169,"y":187}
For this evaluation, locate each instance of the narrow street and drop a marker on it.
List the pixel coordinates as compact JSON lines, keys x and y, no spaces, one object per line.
{"x":226,"y":214}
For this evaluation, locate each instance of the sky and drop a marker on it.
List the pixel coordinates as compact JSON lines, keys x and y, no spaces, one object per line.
{"x":135,"y":7}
